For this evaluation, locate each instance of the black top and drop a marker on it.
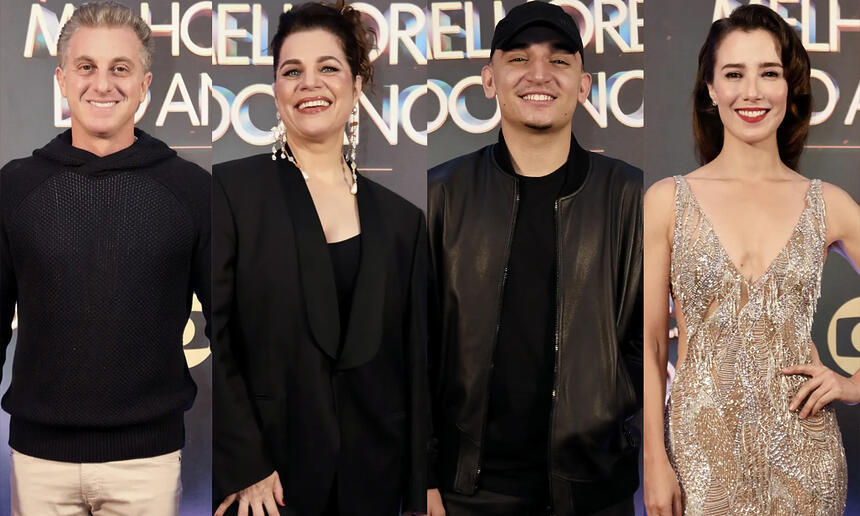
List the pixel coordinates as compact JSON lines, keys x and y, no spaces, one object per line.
{"x":101,"y":255}
{"x":516,"y":441}
{"x":345,"y":259}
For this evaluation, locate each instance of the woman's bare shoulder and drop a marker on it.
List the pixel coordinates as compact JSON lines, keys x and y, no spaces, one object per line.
{"x":659,"y":204}
{"x":661,"y":190}
{"x":843,"y":212}
{"x":836,"y":196}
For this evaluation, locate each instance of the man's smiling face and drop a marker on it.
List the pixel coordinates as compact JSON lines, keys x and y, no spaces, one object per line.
{"x":537,"y":79}
{"x":103,"y":80}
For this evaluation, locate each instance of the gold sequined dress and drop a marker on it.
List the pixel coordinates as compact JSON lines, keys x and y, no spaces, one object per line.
{"x":734,"y":444}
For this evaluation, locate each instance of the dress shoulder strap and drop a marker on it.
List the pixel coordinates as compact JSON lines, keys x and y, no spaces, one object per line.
{"x":682,"y":197}
{"x":815,"y":200}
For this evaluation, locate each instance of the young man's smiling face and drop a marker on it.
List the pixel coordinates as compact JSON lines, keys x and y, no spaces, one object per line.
{"x":104,"y":81}
{"x":538,"y":80}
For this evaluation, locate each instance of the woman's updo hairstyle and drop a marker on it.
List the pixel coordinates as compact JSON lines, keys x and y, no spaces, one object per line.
{"x":341,"y":20}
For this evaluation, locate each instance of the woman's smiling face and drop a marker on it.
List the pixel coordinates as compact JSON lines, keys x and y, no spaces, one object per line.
{"x":315,"y":90}
{"x":749,"y":86}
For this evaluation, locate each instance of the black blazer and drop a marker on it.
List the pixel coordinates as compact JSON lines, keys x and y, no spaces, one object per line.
{"x":283,"y":398}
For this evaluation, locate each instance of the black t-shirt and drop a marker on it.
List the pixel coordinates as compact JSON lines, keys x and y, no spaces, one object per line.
{"x":515,"y":447}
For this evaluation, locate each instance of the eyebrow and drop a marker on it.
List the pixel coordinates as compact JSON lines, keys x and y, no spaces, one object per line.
{"x":761,"y":65}
{"x":121,"y":59}
{"x":319,"y":60}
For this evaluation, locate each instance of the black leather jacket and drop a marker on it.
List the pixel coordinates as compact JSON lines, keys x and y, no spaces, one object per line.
{"x":472,"y":207}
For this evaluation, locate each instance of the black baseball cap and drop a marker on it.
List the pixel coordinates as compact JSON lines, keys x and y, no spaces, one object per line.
{"x":536,"y":13}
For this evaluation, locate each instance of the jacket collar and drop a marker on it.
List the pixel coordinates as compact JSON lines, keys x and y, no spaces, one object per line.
{"x":364,"y":331}
{"x":576,"y":168}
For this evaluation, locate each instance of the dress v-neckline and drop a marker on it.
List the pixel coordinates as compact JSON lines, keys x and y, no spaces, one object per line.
{"x":730,"y":262}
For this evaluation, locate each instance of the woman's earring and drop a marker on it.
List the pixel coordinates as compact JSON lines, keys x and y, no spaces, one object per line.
{"x":714,"y":103}
{"x":353,"y":144}
{"x":280,"y":134}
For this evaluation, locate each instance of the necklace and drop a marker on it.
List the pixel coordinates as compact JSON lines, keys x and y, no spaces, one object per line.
{"x":353,"y":188}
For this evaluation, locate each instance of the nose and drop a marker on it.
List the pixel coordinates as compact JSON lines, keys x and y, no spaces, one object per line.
{"x":103,"y":82}
{"x":538,"y":70}
{"x":310,"y":79}
{"x":751,"y":87}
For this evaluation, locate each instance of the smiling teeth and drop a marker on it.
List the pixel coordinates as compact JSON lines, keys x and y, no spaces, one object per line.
{"x":103,"y":104}
{"x":535,"y":96}
{"x":314,"y":103}
{"x":757,"y":112}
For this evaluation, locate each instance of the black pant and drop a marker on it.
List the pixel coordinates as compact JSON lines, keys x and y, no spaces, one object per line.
{"x":485,"y":502}
{"x":488,"y":503}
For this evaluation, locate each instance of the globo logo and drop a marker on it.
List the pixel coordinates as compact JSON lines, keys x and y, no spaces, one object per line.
{"x":195,"y":343}
{"x":843,"y":336}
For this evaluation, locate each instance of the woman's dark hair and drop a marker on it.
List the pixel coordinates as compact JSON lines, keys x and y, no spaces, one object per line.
{"x":792,"y":132}
{"x":339,"y":19}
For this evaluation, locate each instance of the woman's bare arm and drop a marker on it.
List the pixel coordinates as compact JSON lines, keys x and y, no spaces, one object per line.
{"x":662,"y":492}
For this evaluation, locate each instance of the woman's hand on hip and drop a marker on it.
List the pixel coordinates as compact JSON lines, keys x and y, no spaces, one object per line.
{"x":823,"y":387}
{"x":261,"y":498}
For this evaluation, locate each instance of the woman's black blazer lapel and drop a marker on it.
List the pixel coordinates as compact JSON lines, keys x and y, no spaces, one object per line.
{"x":315,"y":267}
{"x":364,"y":333}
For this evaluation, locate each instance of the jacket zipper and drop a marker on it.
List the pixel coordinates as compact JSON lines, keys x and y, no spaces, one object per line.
{"x":556,"y":355}
{"x":498,"y":326}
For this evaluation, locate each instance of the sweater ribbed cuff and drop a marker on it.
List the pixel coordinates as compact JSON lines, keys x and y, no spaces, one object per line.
{"x":91,"y":444}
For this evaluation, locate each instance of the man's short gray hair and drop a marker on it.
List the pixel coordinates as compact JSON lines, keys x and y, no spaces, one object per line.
{"x":107,"y":14}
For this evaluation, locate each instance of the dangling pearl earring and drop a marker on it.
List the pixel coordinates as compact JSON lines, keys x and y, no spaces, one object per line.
{"x":280,"y":134}
{"x":353,"y":144}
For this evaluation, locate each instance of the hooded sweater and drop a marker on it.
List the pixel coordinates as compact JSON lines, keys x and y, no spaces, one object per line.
{"x":101,"y":255}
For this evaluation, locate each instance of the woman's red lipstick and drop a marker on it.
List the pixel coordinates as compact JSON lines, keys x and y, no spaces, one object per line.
{"x":751,"y":115}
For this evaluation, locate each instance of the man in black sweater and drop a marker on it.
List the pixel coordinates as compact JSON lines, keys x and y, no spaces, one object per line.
{"x":536,"y":323}
{"x":104,"y":237}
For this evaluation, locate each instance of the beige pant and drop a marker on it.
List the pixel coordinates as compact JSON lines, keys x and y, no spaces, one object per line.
{"x":137,"y":487}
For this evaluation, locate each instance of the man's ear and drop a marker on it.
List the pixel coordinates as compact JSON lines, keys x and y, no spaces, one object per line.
{"x":488,"y":81}
{"x":147,"y":80}
{"x":61,"y":80}
{"x":584,"y":87}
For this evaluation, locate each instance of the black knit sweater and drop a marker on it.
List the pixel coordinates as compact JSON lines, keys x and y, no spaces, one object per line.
{"x":102,"y":255}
